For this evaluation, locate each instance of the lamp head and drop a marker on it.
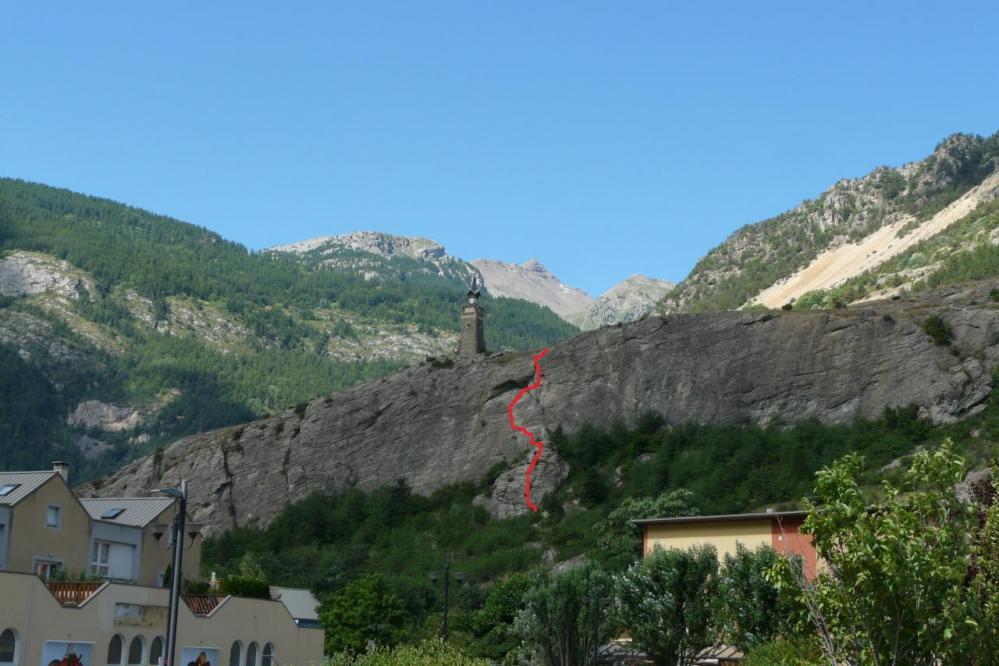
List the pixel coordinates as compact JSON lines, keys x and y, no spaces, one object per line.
{"x":170,"y":492}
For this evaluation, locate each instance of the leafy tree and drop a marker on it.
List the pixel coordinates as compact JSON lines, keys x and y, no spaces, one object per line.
{"x":750,"y":609}
{"x":665,"y":602}
{"x":565,"y":616}
{"x":896,"y":587}
{"x":494,"y":623}
{"x":366,"y":610}
{"x":619,"y":542}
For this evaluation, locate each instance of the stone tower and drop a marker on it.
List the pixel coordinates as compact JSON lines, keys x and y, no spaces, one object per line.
{"x":473,"y":339}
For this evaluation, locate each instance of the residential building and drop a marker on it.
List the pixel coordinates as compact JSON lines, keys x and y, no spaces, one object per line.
{"x":47,"y":530}
{"x":117,"y":624}
{"x":43,"y":526}
{"x":114,"y":610}
{"x":780,"y":530}
{"x":130,"y":539}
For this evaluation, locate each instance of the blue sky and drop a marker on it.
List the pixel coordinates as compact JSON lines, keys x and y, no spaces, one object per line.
{"x":605,"y":138}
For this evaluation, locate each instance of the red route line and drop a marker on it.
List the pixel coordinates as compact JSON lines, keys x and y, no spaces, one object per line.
{"x":540,"y":446}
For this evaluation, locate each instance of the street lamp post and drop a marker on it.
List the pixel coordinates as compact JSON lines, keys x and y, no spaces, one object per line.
{"x":179,"y":524}
{"x":459,"y":578}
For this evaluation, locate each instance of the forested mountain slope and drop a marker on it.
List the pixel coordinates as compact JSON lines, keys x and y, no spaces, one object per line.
{"x":121,"y":329}
{"x":848,"y":230}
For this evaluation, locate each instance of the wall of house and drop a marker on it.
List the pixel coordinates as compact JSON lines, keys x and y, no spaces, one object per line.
{"x":132,"y":536}
{"x":157,"y":555}
{"x":4,"y":535}
{"x":787,"y":538}
{"x":133,"y":610}
{"x":723,"y":535}
{"x":30,"y":537}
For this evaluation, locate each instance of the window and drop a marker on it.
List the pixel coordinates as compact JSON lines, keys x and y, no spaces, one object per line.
{"x":53,"y":517}
{"x":135,"y":650}
{"x":99,"y":561}
{"x":111,"y":514}
{"x":235,"y":654}
{"x":155,"y":651}
{"x":112,"y":560}
{"x":8,"y":488}
{"x":251,"y":654}
{"x":115,"y":648}
{"x":8,"y":647}
{"x":46,"y":569}
{"x":268,"y":659}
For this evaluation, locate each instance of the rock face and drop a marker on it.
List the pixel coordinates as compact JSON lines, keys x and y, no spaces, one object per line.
{"x":27,"y":273}
{"x":441,"y":423}
{"x":532,"y":282}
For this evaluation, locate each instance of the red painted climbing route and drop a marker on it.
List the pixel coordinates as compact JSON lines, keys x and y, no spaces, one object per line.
{"x":538,"y":445}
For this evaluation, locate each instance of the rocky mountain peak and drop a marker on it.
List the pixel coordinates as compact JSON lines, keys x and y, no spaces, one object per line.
{"x":532,"y":281}
{"x":373,"y":242}
{"x":629,"y":300}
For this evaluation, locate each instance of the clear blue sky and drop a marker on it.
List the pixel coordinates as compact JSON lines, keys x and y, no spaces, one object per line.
{"x":605,"y":138}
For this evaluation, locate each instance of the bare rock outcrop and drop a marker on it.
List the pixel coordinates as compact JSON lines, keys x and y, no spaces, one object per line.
{"x":435,"y":424}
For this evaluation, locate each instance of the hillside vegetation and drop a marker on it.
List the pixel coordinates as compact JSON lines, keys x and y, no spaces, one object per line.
{"x":759,"y":255}
{"x":121,"y":329}
{"x":391,"y":538}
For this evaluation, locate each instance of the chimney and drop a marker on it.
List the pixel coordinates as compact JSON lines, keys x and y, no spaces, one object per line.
{"x":62,"y":468}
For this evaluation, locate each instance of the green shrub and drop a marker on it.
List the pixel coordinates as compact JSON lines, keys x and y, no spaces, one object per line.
{"x":239,"y":586}
{"x":428,"y":653}
{"x":784,"y":652}
{"x":938,"y":329}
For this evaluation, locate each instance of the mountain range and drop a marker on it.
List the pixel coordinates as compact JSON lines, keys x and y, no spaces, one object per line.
{"x":122,"y":331}
{"x":370,"y":254}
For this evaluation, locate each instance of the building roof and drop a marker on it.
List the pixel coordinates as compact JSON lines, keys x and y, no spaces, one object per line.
{"x":727,"y":517}
{"x":203,"y":604}
{"x":136,"y":511}
{"x":302,"y":604}
{"x":24,"y":484}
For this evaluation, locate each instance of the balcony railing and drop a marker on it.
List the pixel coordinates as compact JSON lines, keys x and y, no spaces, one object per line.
{"x":73,"y":593}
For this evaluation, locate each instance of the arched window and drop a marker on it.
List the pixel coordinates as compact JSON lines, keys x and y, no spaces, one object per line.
{"x":135,"y":650}
{"x":8,"y":647}
{"x":116,"y":648}
{"x":268,"y":656}
{"x":235,"y":654}
{"x":155,"y":651}
{"x":251,"y":654}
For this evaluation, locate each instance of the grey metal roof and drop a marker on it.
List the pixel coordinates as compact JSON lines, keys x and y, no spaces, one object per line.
{"x":727,"y":517}
{"x":139,"y":511}
{"x":300,"y":603}
{"x":27,"y":483}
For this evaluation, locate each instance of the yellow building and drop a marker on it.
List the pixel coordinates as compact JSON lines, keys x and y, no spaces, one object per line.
{"x":116,"y":624}
{"x":117,"y":616}
{"x":43,"y":526}
{"x":778,"y":529}
{"x":45,"y":529}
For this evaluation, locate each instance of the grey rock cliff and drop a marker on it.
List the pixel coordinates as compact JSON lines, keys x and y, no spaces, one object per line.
{"x":434,"y":425}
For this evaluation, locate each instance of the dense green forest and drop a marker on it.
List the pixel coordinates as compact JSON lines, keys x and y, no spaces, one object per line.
{"x":201,"y":328}
{"x":394,"y":537}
